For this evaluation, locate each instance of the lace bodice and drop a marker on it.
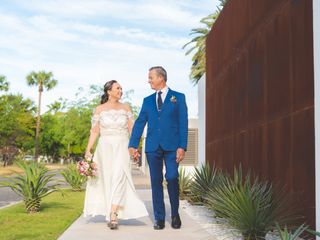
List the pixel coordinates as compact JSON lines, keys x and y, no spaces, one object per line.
{"x":111,"y":122}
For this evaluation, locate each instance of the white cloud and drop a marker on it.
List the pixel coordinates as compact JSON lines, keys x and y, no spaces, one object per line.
{"x":165,"y":13}
{"x":82,"y":43}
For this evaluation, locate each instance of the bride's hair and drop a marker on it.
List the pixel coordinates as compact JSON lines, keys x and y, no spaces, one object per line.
{"x":107,"y":87}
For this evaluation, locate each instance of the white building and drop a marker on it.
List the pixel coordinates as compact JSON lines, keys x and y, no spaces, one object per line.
{"x":316,"y":51}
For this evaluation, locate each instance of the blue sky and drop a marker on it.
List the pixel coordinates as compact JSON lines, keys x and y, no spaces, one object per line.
{"x":87,"y":42}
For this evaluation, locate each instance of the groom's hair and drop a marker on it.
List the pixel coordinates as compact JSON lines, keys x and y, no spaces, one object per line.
{"x":160,"y":71}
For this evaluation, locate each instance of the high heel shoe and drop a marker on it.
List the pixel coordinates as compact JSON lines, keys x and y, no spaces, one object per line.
{"x":113,"y":223}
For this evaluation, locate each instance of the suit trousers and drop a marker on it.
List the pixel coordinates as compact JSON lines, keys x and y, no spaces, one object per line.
{"x":155,"y":160}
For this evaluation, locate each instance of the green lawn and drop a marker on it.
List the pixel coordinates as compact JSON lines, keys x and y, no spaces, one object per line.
{"x":56,"y":215}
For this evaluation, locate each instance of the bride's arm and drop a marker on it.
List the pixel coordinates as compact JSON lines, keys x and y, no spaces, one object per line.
{"x":94,"y":133}
{"x":130,"y":118}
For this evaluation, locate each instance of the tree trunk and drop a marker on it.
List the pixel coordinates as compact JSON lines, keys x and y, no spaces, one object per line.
{"x":36,"y":155}
{"x":68,"y":150}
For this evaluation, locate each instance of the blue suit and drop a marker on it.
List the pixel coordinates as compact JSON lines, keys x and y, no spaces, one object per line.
{"x":167,"y":131}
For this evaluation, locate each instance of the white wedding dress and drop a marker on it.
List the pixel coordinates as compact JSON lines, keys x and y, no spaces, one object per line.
{"x":113,"y":184}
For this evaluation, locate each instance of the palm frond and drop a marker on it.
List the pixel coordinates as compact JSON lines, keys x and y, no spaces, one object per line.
{"x":198,"y":67}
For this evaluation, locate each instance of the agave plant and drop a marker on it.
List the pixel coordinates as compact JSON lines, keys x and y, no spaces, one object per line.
{"x":285,"y":234}
{"x":249,"y":206}
{"x":73,"y":177}
{"x":204,"y":178}
{"x":184,"y":183}
{"x":32,"y":185}
{"x":317,"y":234}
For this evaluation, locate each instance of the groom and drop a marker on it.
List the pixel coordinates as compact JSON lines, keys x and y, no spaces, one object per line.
{"x":166,"y":114}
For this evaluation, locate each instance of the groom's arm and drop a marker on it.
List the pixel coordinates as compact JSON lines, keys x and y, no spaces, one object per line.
{"x":138,"y":127}
{"x":183,"y":123}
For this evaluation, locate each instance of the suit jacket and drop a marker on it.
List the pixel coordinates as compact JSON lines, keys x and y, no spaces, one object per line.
{"x":167,"y":128}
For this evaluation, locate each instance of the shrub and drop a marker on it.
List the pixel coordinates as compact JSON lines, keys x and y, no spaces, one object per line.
{"x":249,"y":206}
{"x":203,"y":180}
{"x":73,"y":178}
{"x":32,"y":185}
{"x":184,"y":183}
{"x":285,"y":234}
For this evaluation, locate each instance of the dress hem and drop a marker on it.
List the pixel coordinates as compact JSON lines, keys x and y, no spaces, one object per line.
{"x":92,"y":215}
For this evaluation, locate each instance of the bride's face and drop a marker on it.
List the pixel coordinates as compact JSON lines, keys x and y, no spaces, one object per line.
{"x":116,"y":91}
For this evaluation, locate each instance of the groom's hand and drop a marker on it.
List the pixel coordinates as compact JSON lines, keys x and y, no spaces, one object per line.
{"x":180,"y":155}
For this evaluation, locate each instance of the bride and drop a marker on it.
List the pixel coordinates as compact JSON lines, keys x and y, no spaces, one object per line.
{"x":112,"y":192}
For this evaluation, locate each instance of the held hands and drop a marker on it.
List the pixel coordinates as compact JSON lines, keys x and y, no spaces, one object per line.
{"x":134,"y":154}
{"x":180,"y":155}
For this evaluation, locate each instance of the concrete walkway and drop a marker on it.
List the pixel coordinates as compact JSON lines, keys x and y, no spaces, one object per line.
{"x":142,"y":228}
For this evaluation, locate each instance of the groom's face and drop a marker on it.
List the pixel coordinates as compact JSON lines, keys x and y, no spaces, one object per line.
{"x":156,"y":81}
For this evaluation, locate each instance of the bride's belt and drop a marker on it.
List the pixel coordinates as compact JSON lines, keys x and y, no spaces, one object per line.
{"x":114,"y":132}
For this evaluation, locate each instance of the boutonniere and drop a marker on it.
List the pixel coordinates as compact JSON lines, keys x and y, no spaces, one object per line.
{"x":173,"y":99}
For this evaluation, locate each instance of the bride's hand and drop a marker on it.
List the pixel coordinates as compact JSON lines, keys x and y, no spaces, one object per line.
{"x":134,"y":154}
{"x":87,"y":155}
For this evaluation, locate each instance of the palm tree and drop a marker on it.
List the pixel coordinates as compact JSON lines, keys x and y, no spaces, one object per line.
{"x":57,"y":106}
{"x":198,"y":67}
{"x":4,"y":84}
{"x":41,"y":79}
{"x":223,"y":2}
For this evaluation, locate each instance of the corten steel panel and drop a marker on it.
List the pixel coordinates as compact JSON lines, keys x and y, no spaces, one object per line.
{"x":302,"y":61}
{"x":279,"y":151}
{"x":278,"y":66}
{"x":232,"y":15}
{"x":258,"y":156}
{"x":302,"y":151}
{"x":257,"y":84}
{"x":259,"y":93}
{"x":227,"y":103}
{"x":240,"y":100}
{"x":241,"y":147}
{"x":227,"y":149}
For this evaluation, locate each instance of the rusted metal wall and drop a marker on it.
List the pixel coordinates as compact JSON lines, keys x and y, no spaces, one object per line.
{"x":260,"y":99}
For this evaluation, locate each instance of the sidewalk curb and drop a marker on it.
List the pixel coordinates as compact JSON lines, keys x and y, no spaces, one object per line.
{"x":11,"y":204}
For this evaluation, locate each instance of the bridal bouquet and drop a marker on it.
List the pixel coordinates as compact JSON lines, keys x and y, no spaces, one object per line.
{"x":87,"y":168}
